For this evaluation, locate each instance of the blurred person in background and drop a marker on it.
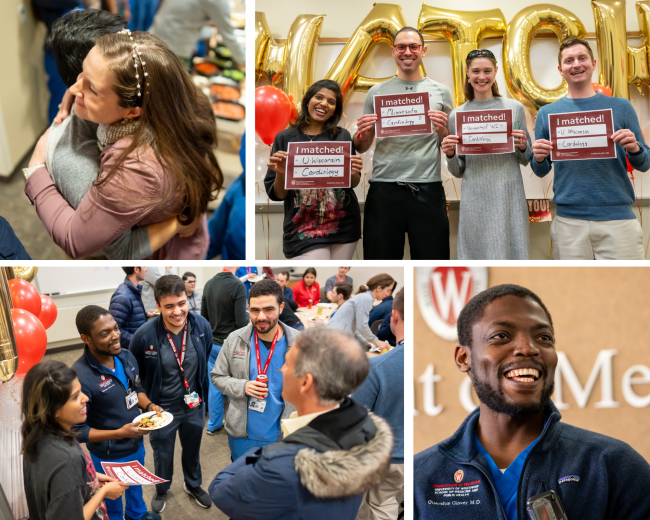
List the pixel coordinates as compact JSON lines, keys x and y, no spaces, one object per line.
{"x":341,"y":276}
{"x":194,"y":296}
{"x":307,"y":290}
{"x":282,"y":278}
{"x":148,"y":284}
{"x":379,"y":312}
{"x":126,"y":305}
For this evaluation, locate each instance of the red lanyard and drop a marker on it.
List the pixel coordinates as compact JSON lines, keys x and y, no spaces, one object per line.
{"x":339,"y":280}
{"x":268,"y":359}
{"x":311,"y":290}
{"x":182,"y":358}
{"x":249,"y":270}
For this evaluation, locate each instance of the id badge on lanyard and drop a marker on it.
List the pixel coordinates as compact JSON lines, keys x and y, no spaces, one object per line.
{"x":255,"y":404}
{"x":131,"y":400}
{"x":191,"y":399}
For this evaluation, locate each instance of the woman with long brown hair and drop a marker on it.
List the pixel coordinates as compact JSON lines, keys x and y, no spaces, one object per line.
{"x":354,"y":314}
{"x":493,"y":222}
{"x":158,"y":165}
{"x":60,"y":479}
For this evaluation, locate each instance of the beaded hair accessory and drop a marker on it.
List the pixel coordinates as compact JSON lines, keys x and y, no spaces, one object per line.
{"x":137,"y":55}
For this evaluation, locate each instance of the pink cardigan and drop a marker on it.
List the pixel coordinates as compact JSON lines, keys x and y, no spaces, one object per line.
{"x":106,"y":212}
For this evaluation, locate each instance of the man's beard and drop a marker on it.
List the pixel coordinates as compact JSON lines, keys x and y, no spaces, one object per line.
{"x":495,"y":398}
{"x":271,"y":325}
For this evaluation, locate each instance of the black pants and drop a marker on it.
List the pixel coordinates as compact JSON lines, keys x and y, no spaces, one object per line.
{"x":189,"y":425}
{"x":394,"y":209}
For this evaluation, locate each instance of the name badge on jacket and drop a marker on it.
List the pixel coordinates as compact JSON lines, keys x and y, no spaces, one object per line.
{"x":131,"y":400}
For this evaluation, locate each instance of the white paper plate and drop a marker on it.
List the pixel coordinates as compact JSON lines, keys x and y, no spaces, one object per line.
{"x":168,"y":418}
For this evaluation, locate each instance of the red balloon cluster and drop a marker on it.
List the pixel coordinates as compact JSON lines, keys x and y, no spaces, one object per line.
{"x":273,"y":111}
{"x":31,"y":315}
{"x":601,"y":89}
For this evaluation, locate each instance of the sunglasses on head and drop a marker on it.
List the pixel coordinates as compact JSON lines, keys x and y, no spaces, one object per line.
{"x":480,"y":53}
{"x":413,"y":47}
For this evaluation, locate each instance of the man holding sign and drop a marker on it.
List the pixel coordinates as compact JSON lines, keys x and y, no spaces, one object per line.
{"x":406,"y":194}
{"x":594,"y":216}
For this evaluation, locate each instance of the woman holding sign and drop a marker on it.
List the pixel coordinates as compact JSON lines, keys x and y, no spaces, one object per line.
{"x":486,"y":151}
{"x":319,"y":223}
{"x":60,"y":479}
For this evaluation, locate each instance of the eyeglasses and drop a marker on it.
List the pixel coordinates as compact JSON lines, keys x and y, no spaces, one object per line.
{"x":190,"y":281}
{"x":413,"y":47}
{"x":480,"y":53}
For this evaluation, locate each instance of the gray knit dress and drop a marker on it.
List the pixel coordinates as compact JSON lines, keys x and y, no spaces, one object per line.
{"x":493,"y":222}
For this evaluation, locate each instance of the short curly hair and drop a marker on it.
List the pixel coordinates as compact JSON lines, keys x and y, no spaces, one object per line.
{"x":473,"y":311}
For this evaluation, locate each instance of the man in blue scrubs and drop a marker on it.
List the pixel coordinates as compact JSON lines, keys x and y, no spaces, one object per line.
{"x":255,"y":410}
{"x":109,"y":376}
{"x":514,"y":446}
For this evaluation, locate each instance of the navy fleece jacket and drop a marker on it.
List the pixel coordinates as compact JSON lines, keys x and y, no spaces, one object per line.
{"x":596,"y":477}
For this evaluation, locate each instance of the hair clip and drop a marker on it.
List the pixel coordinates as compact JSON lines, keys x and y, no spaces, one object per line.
{"x":49,"y":378}
{"x":137,"y":54}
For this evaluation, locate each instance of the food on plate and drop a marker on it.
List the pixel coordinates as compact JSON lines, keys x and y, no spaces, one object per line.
{"x":152,"y":421}
{"x":228,"y":110}
{"x":225,"y":92}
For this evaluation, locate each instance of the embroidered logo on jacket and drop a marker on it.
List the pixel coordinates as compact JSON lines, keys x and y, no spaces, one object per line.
{"x":458,"y":476}
{"x":568,"y":478}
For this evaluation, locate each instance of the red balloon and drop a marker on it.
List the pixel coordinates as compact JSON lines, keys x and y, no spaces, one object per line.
{"x":25,"y":296}
{"x":603,"y":90}
{"x":294,"y":109}
{"x":48,"y":311}
{"x":272,"y":112}
{"x":31,"y":339}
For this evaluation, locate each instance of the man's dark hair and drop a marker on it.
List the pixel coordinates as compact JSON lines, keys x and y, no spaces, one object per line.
{"x":168,"y":285}
{"x":187,"y":275}
{"x":392,"y":289}
{"x":344,"y":289}
{"x":266,"y":287}
{"x":405,"y":29}
{"x":128,"y":270}
{"x":398,"y":303}
{"x":473,"y":311}
{"x":570,"y":42}
{"x":87,"y":317}
{"x":74,"y":34}
{"x":286,"y":274}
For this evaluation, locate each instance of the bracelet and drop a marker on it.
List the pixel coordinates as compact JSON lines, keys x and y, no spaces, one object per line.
{"x":359,"y":138}
{"x":146,"y":409}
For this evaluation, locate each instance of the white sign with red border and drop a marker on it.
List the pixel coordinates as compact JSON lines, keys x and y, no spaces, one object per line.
{"x":131,"y":472}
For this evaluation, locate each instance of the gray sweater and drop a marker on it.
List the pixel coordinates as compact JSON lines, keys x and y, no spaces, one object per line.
{"x":72,"y":158}
{"x":231,"y":372}
{"x":493,"y":221}
{"x":353,"y":315}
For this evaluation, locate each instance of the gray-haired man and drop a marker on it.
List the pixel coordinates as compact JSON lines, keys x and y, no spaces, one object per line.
{"x":333,"y":448}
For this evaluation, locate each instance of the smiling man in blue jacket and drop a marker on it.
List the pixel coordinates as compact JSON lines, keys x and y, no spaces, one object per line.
{"x":513,"y":446}
{"x":110,"y":378}
{"x":172,"y":352}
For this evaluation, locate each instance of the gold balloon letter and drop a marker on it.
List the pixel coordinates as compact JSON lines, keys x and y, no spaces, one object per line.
{"x":464,"y":30}
{"x":516,"y":51}
{"x":638,"y":56}
{"x":611,"y":39}
{"x":292,"y":61}
{"x":381,"y":25}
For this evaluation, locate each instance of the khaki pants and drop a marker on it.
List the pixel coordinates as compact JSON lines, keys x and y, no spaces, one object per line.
{"x":575,"y":239}
{"x":382,"y":499}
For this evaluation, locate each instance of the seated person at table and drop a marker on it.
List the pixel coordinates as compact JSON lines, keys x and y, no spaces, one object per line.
{"x":134,"y":107}
{"x":341,"y":293}
{"x":307,"y":289}
{"x":379,"y":312}
{"x":337,"y":278}
{"x":352,"y":316}
{"x":385,"y":333}
{"x":282,"y":278}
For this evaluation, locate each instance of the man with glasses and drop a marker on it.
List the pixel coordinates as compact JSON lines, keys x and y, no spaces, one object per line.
{"x":249,"y":357}
{"x":193,"y":296}
{"x":406,"y":194}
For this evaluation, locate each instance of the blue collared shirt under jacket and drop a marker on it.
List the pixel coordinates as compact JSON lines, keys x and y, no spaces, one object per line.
{"x":106,"y":407}
{"x":152,"y":336}
{"x":593,"y":189}
{"x":596,"y":477}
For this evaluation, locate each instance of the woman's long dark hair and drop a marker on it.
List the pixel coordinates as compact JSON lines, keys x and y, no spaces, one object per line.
{"x":468,"y":90}
{"x":177,"y":120}
{"x":331,"y":125}
{"x":46,"y":389}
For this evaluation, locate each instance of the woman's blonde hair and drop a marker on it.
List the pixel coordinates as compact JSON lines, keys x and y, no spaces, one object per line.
{"x":177,"y":121}
{"x":381,"y":280}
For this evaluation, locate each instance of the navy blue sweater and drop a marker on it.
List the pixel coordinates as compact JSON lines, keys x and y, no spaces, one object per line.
{"x":379,"y":312}
{"x":610,"y":480}
{"x":107,"y":404}
{"x":593,"y":189}
{"x":151,"y":337}
{"x":127,"y":309}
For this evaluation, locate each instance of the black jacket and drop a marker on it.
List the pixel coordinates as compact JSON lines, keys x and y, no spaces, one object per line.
{"x":224,"y":305}
{"x":152,"y":336}
{"x":107,"y":404}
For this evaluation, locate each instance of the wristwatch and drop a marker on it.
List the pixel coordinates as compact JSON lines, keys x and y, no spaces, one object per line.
{"x":28,"y":171}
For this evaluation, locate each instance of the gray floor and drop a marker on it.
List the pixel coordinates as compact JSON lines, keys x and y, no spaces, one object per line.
{"x":215,"y":456}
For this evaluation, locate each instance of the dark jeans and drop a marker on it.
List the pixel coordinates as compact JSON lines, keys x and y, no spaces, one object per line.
{"x":189,"y":424}
{"x":394,"y":209}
